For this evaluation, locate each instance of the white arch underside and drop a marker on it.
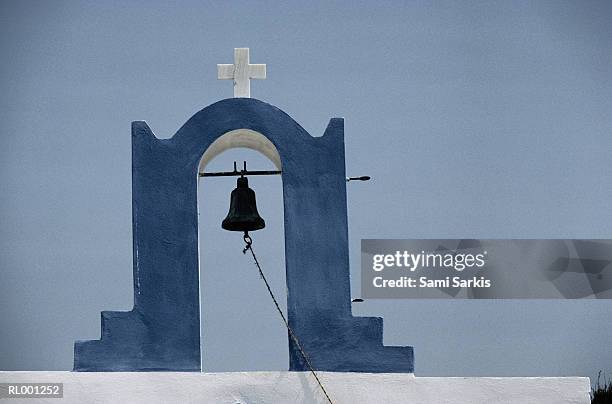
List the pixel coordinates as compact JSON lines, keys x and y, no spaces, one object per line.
{"x":246,"y":138}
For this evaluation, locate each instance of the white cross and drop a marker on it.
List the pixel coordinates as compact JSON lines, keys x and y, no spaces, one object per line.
{"x":241,"y":72}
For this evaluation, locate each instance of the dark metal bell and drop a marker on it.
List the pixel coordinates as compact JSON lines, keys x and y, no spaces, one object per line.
{"x":243,"y":215}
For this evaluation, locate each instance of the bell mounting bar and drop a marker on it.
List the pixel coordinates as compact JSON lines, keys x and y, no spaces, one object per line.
{"x":245,"y":172}
{"x":241,"y":173}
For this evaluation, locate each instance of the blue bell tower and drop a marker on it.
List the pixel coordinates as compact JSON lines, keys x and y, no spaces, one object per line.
{"x":162,"y":331}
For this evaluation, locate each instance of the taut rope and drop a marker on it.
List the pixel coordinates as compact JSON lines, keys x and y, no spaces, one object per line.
{"x":249,"y":247}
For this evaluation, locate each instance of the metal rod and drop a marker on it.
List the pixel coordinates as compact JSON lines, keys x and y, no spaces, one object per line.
{"x":363,"y":178}
{"x":245,"y":172}
{"x":236,"y":173}
{"x":239,"y":173}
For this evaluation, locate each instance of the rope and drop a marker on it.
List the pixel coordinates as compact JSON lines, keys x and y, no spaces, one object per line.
{"x":248,"y":247}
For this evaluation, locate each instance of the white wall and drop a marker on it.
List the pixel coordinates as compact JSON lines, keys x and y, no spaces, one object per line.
{"x":300,"y":387}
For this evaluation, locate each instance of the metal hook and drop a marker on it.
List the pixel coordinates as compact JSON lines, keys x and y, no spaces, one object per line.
{"x":248,"y":240}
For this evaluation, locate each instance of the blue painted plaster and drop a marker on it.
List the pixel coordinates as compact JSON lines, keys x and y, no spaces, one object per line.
{"x":162,"y":331}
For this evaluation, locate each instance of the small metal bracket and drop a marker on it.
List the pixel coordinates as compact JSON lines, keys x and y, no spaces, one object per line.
{"x":362,"y":178}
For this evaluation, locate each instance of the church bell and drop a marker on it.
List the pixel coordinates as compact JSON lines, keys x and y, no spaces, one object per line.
{"x":243,"y":215}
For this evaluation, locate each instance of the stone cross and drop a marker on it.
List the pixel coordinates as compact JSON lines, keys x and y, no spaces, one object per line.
{"x":241,"y":72}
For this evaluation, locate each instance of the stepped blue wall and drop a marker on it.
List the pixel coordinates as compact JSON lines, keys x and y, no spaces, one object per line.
{"x":162,"y":331}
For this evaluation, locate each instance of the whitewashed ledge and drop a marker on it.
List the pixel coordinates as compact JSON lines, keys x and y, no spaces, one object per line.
{"x":300,"y":387}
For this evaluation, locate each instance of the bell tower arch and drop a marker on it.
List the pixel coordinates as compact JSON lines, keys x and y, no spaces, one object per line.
{"x":162,"y":331}
{"x":246,"y":138}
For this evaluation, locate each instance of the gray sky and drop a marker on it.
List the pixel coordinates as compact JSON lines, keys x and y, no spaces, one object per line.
{"x":482,"y":119}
